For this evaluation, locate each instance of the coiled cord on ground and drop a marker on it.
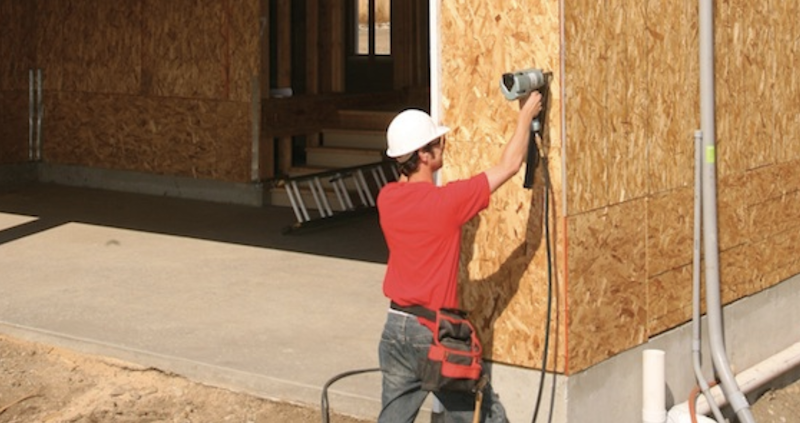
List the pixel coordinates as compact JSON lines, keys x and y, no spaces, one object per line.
{"x":325,"y":408}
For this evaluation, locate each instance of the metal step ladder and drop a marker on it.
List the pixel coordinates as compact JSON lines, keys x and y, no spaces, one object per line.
{"x":354,"y":192}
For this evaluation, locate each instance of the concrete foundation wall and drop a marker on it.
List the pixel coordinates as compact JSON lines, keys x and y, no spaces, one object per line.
{"x":251,"y":194}
{"x":756,"y":328}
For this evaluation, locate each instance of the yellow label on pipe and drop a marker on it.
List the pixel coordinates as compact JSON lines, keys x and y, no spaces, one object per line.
{"x":711,"y":154}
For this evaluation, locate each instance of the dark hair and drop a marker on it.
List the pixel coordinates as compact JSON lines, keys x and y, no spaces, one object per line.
{"x":411,"y":165}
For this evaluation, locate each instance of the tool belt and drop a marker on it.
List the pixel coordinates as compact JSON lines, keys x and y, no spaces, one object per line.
{"x":454,"y":358}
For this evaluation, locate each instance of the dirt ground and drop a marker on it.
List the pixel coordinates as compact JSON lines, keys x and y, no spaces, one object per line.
{"x":45,"y":384}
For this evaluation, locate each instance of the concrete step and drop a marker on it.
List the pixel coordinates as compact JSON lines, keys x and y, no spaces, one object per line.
{"x":359,"y":138}
{"x":338,"y":157}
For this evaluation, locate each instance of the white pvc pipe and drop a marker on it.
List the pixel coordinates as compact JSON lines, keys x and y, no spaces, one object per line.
{"x":751,"y":379}
{"x":719,"y":355}
{"x":653,"y":387}
{"x":696,"y":282}
{"x":682,"y":416}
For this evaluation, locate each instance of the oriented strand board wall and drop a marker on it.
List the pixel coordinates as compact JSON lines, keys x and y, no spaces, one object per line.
{"x":161,"y":87}
{"x":632,"y":108}
{"x":503,"y":275}
{"x":16,"y":26}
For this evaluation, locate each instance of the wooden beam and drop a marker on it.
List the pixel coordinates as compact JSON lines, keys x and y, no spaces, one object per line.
{"x":312,"y":46}
{"x":266,"y":142}
{"x":312,"y":58}
{"x":264,"y":49}
{"x":337,"y":46}
{"x":402,"y":27}
{"x":284,"y":76}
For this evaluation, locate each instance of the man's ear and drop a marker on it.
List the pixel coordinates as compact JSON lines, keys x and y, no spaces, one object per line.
{"x":425,"y":156}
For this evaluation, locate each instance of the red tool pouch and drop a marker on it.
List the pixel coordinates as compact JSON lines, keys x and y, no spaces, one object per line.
{"x":454,"y":359}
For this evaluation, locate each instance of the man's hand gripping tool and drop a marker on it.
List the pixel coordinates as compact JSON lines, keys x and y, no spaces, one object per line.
{"x":515,"y":85}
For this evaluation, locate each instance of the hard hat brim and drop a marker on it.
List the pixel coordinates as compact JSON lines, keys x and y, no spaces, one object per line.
{"x":440,"y":130}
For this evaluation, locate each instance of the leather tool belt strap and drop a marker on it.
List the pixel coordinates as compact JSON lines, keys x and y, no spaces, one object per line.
{"x":415,"y":310}
{"x":454,"y":358}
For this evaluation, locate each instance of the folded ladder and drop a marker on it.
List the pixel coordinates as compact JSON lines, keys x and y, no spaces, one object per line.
{"x":345,"y":184}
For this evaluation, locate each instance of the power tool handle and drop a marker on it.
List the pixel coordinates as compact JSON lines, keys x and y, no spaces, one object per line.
{"x":533,"y":157}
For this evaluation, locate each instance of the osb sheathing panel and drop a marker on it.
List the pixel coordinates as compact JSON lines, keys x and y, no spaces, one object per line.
{"x":194,"y":138}
{"x":759,"y":225}
{"x":13,"y":127}
{"x":90,"y":46}
{"x":756,"y":47}
{"x":669,"y":230}
{"x":182,"y":48}
{"x":615,"y":107}
{"x":607,"y":295}
{"x":631,"y":85}
{"x":161,"y":87}
{"x":206,"y":49}
{"x":16,"y":33}
{"x":503,"y":267}
{"x":757,"y":84}
{"x":669,"y":298}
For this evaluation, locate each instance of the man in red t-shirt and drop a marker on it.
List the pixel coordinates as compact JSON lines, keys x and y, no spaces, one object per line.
{"x":421,"y":223}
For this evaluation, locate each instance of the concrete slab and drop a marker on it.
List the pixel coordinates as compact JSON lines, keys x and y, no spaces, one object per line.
{"x":210,"y":291}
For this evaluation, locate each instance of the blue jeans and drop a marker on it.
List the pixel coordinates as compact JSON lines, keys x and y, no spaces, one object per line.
{"x":404,"y":343}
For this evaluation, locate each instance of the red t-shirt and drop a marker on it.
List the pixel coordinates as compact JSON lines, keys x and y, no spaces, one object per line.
{"x":422,"y":226}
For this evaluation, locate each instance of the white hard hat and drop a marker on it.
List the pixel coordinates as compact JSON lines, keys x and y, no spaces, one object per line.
{"x":411,"y":130}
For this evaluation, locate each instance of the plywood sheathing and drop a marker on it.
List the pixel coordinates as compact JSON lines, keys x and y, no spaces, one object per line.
{"x":192,"y":138}
{"x":632,"y":105}
{"x":503,"y":271}
{"x":14,"y":144}
{"x":756,"y":189}
{"x":201,"y":49}
{"x":160,"y":84}
{"x":607,"y":289}
{"x":18,"y":58}
{"x":630,"y":78}
{"x":90,"y":46}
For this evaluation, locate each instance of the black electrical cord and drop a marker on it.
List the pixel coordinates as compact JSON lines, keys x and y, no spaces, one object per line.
{"x":539,"y":130}
{"x":325,"y":409}
{"x":548,"y":317}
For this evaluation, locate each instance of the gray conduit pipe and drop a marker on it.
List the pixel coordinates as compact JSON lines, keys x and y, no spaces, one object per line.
{"x":696,"y":334}
{"x":719,"y":357}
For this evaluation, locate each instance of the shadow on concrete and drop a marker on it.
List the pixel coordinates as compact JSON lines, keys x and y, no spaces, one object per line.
{"x":355,"y":238}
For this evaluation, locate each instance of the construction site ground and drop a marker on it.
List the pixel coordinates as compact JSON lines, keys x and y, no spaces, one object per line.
{"x":131,"y":308}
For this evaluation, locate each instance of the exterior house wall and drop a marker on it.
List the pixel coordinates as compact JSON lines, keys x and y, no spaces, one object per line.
{"x":620,"y":130}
